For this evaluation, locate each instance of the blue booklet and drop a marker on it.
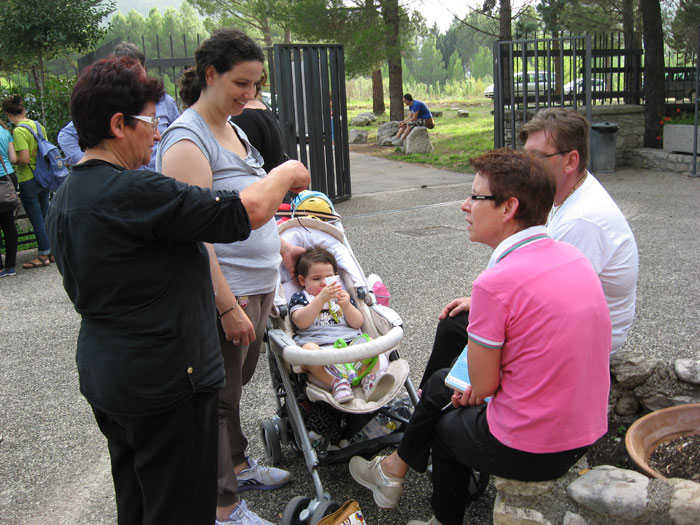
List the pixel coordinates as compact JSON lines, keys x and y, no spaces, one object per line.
{"x":458,"y":378}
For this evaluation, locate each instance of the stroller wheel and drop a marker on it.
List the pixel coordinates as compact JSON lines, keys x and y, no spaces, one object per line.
{"x":271,"y":441}
{"x":324,"y":509}
{"x":292,"y":511}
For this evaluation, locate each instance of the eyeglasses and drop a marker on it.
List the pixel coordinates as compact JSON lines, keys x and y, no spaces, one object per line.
{"x":481,"y":197}
{"x":541,"y":155}
{"x":153,"y":121}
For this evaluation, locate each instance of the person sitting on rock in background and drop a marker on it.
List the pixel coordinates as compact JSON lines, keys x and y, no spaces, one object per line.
{"x":419,"y":115}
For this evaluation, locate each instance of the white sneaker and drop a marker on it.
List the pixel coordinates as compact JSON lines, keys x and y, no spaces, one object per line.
{"x":241,"y":515}
{"x":386,"y":489}
{"x":259,"y":477}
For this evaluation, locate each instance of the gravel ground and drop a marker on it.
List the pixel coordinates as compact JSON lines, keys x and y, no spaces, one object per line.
{"x":404,"y":223}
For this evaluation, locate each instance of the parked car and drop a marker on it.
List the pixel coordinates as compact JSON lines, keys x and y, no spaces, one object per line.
{"x":266,"y":98}
{"x":680,"y":84}
{"x":544,"y":82}
{"x":596,"y":83}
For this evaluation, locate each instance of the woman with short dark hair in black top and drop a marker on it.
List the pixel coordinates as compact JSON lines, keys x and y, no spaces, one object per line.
{"x":129,"y":248}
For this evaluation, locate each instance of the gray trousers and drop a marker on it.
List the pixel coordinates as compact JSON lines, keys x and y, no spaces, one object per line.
{"x":239,"y":362}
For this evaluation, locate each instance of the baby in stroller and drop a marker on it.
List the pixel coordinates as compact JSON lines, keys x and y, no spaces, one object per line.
{"x":325,"y":314}
{"x":309,"y":418}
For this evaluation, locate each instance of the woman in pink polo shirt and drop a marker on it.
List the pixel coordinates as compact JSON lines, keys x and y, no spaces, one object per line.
{"x":539,"y":346}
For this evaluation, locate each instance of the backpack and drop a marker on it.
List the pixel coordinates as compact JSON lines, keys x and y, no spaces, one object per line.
{"x":51,"y":170}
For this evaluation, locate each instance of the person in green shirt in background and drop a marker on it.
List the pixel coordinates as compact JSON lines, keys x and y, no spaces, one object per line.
{"x":35,"y":198}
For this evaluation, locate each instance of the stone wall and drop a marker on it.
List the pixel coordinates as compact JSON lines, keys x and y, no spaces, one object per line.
{"x":629,"y":117}
{"x":658,"y":159}
{"x":605,"y":494}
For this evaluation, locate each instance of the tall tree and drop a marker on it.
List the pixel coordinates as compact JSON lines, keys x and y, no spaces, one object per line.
{"x":390,"y":14}
{"x":550,"y":11}
{"x":455,"y":69}
{"x":429,"y":67}
{"x":654,"y":102}
{"x":260,"y":15}
{"x":378,"y":107}
{"x":360,"y":25}
{"x":468,"y":36}
{"x":34,"y":31}
{"x":685,"y":26}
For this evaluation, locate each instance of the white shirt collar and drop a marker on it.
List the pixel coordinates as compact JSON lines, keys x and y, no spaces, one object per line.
{"x":516,"y":241}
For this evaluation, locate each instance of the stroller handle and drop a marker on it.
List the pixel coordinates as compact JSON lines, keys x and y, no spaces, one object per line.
{"x":295,"y":355}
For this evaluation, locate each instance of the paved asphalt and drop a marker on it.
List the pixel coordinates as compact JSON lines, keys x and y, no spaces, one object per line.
{"x":405,"y":224}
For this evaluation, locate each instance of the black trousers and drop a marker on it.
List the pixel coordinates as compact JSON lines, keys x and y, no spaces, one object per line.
{"x":9,"y":230}
{"x":9,"y":236}
{"x":461,"y":441}
{"x":164,"y":466}
{"x":450,"y":339}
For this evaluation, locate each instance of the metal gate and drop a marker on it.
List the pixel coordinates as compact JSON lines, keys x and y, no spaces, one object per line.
{"x":308,"y":95}
{"x":530,"y":75}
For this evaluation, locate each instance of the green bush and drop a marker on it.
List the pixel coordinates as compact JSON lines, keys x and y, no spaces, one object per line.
{"x":57,"y":93}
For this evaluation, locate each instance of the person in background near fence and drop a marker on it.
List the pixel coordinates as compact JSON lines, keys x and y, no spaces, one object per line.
{"x":166,"y":113}
{"x":129,"y":248}
{"x":203,"y":147}
{"x":419,"y":115}
{"x":35,"y":198}
{"x":8,"y":157}
{"x":262,"y":129}
{"x":584,"y":214}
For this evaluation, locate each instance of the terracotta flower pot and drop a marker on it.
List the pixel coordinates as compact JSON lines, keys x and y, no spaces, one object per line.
{"x":660,"y":426}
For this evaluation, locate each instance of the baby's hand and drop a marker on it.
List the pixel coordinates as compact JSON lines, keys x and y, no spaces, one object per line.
{"x":329,"y":292}
{"x":343,"y":298}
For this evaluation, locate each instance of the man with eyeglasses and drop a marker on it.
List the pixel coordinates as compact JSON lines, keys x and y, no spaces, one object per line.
{"x":583,"y":214}
{"x":166,"y":113}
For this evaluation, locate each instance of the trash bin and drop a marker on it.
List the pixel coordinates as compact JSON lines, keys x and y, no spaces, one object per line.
{"x":603,"y":146}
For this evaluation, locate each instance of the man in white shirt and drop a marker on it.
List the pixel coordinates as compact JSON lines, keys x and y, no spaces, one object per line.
{"x":583,"y":214}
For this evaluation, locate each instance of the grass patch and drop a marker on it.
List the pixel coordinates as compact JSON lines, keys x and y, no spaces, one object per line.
{"x":455,"y":139}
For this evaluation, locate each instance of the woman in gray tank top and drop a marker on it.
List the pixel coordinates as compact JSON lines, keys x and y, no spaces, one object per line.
{"x":204,"y":148}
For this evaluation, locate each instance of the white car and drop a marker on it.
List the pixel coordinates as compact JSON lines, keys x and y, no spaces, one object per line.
{"x":544,"y":82}
{"x":266,"y":98}
{"x":596,"y":85}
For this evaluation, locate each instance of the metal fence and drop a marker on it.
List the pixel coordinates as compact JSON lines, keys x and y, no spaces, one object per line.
{"x":533,"y":74}
{"x":580,"y":70}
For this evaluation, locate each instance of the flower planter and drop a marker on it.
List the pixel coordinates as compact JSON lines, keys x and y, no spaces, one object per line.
{"x":678,"y":138}
{"x":660,"y":426}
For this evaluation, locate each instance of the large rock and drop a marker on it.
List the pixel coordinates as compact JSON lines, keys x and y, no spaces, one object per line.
{"x":523,"y":488}
{"x":685,"y":503}
{"x":386,"y":133}
{"x":359,"y":120}
{"x":418,"y":141}
{"x":688,"y":370}
{"x":357,"y":136}
{"x":462,"y":113}
{"x":626,"y":405}
{"x":631,"y":370}
{"x":504,"y":514}
{"x":659,"y":401}
{"x":436,"y":114}
{"x":371,"y":116}
{"x":609,"y":490}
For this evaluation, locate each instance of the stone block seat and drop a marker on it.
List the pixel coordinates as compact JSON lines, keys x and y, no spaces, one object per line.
{"x":606,"y":494}
{"x":418,"y":141}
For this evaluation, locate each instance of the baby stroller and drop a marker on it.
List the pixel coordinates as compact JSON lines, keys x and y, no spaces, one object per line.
{"x":308,"y":418}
